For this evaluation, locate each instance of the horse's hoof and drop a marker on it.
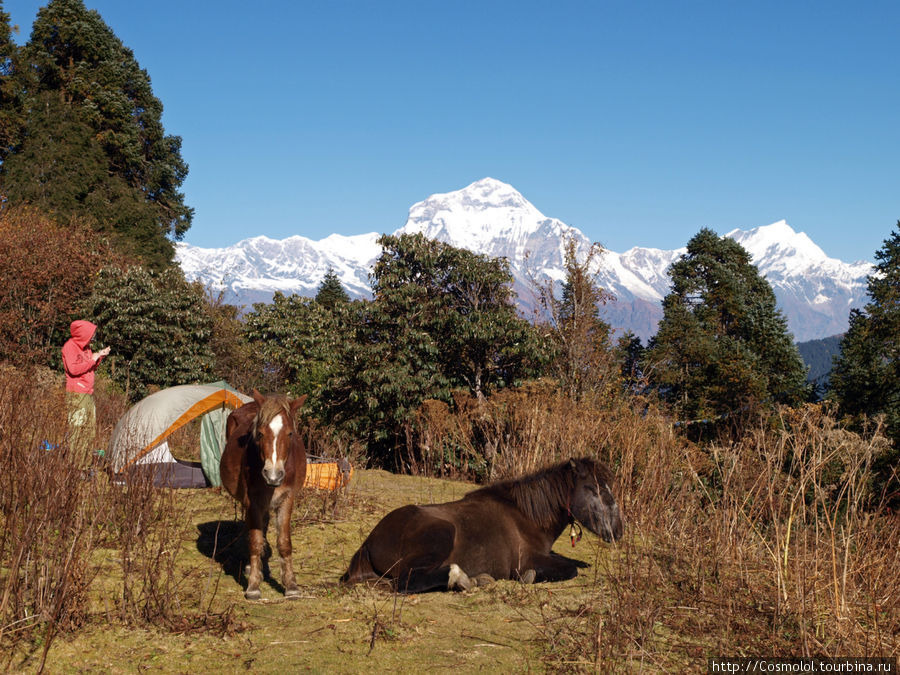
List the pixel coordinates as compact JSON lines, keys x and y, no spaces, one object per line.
{"x":528,"y":577}
{"x":291,"y":593}
{"x":252,"y":594}
{"x":483,"y":580}
{"x":459,"y":580}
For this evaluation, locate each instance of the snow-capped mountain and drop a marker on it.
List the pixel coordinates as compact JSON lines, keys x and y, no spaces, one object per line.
{"x":490,"y":217}
{"x":254,"y":269}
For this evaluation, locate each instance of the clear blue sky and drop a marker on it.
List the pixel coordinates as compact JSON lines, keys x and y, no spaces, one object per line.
{"x":637,"y":122}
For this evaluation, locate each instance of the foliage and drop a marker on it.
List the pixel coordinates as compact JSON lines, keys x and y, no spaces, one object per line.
{"x":865,"y":380}
{"x":385,"y":369}
{"x":722,"y":347}
{"x":10,"y":88}
{"x":156,"y":325}
{"x":92,"y":141}
{"x":441,"y":318}
{"x":583,"y":362}
{"x":462,"y":302}
{"x":235,"y":360}
{"x":331,"y":291}
{"x":296,"y":339}
{"x":629,"y":354}
{"x":818,"y":355}
{"x":47,"y":273}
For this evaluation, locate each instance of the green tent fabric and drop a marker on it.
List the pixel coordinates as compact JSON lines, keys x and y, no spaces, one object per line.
{"x":212,"y":438}
{"x":212,"y":443}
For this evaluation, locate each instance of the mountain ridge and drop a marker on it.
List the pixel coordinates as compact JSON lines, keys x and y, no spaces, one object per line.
{"x":490,"y":217}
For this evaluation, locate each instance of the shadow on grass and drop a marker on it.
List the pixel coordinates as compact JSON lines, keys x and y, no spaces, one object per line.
{"x":225,"y":541}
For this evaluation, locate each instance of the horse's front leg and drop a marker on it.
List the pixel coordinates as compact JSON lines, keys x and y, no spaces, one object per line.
{"x":548,"y":567}
{"x":256,"y":537}
{"x":284,"y":507}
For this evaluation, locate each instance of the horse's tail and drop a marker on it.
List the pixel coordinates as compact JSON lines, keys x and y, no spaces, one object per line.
{"x":360,"y":568}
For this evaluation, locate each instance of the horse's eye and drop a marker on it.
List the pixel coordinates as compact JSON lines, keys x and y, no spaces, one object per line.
{"x":592,"y":489}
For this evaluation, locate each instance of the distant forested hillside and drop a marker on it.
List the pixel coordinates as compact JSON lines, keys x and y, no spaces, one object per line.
{"x":817,"y":355}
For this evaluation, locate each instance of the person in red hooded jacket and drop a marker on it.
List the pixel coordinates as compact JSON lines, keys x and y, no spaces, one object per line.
{"x":80,"y":363}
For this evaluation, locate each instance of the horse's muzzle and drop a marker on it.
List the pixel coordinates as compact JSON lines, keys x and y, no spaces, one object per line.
{"x":274,"y":476}
{"x":612,"y":526}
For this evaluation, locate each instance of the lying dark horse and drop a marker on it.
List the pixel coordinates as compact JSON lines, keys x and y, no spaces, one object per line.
{"x":263,"y":466}
{"x":502,"y":531}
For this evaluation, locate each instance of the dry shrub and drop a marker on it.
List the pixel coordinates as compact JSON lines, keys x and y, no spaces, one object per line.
{"x":47,"y":529}
{"x":55,"y":518}
{"x":48,"y":270}
{"x":773,"y":544}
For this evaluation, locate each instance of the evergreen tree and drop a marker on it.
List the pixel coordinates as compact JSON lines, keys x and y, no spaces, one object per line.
{"x":630,"y":354}
{"x":331,"y":291}
{"x":722,"y":346}
{"x":10,"y":88}
{"x":87,"y":100}
{"x":865,"y":380}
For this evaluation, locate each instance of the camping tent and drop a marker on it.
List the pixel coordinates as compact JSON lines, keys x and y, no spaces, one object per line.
{"x":139,"y":441}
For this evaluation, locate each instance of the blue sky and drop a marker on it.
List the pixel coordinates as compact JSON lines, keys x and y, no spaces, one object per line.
{"x":637,"y":122}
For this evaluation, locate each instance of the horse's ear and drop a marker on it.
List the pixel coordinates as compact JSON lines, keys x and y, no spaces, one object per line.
{"x":259,"y":398}
{"x":297,"y":403}
{"x":577,"y":466}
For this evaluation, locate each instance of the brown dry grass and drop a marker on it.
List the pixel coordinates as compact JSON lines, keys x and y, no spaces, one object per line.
{"x":770,"y":545}
{"x":774,"y":544}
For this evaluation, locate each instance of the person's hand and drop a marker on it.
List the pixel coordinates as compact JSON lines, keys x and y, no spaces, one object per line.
{"x":103,"y":352}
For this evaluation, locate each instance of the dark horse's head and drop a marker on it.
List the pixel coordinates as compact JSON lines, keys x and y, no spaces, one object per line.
{"x":591,"y":501}
{"x":273,"y":431}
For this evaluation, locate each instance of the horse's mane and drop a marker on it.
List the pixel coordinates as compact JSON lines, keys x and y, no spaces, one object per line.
{"x":541,"y":496}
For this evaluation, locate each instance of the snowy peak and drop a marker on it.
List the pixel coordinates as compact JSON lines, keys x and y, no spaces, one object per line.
{"x":488,"y":216}
{"x":779,"y":240}
{"x":492,"y":218}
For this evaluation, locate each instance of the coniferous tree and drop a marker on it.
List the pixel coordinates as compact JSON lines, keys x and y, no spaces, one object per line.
{"x":10,"y":88}
{"x":722,"y":346}
{"x":866,"y":375}
{"x":87,"y":100}
{"x":331,"y":291}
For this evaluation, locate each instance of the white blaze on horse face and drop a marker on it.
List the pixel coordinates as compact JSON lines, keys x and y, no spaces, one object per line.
{"x":274,"y":467}
{"x":275,"y":425}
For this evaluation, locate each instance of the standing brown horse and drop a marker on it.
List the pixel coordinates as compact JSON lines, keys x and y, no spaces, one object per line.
{"x":263,"y":466}
{"x":502,"y":531}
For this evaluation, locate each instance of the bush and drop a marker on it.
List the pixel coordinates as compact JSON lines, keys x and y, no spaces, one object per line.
{"x":47,"y":272}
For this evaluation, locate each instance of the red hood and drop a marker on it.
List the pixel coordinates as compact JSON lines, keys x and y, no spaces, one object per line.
{"x":82,"y":332}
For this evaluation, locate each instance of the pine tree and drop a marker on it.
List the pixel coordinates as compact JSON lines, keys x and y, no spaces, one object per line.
{"x":331,"y":291}
{"x":10,"y":88}
{"x":88,"y":99}
{"x":866,"y":375}
{"x":722,"y":346}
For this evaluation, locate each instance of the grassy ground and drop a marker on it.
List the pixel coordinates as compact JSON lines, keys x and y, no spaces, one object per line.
{"x":503,"y":628}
